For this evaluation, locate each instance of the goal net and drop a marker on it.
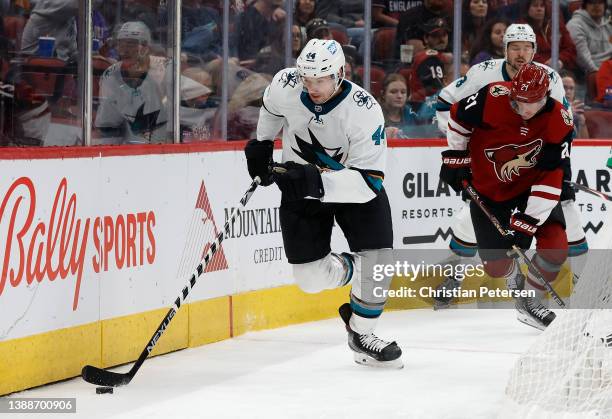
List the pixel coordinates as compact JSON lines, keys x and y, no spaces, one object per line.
{"x":567,"y":372}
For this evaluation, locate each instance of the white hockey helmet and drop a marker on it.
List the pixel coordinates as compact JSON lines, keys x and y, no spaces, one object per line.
{"x":320,"y":58}
{"x":135,"y":30}
{"x":519,"y":32}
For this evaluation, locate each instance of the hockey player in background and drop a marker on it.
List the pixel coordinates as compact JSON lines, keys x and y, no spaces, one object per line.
{"x":134,"y":92}
{"x":333,"y":162}
{"x":519,"y":48}
{"x":510,"y":139}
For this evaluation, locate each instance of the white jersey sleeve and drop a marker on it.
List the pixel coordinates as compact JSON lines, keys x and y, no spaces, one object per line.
{"x":362,"y":177}
{"x":271,"y":118}
{"x":480,"y":75}
{"x":477,"y":77}
{"x":557,"y":91}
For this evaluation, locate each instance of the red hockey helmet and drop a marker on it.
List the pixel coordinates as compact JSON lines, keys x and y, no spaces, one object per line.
{"x":530,"y":84}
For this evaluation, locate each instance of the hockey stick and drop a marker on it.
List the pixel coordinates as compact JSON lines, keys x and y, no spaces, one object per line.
{"x":102,"y":377}
{"x":515,"y":249}
{"x":589,"y":190}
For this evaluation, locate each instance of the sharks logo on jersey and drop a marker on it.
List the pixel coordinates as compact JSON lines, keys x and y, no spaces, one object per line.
{"x":289,"y":78}
{"x":486,"y":65}
{"x":363,"y":99}
{"x":143,"y":122}
{"x":318,"y":155}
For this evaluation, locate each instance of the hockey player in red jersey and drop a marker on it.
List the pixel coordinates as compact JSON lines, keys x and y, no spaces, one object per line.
{"x":508,"y":140}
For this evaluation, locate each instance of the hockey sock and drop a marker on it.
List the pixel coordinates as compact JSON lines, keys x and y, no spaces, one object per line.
{"x":365,"y":315}
{"x":577,"y":257}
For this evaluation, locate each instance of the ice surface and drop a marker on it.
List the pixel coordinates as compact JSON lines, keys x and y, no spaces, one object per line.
{"x":456,"y":361}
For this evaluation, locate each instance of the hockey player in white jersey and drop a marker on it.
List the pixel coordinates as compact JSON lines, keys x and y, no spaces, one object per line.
{"x":134,"y":92}
{"x":519,"y":47}
{"x":333,"y":163}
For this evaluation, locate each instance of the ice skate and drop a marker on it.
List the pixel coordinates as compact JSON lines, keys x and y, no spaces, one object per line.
{"x":533,"y":313}
{"x":369,"y":349}
{"x":447,"y":286}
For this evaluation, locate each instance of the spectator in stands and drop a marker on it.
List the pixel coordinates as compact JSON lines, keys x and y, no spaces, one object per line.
{"x":196,"y":113}
{"x":401,"y":121}
{"x":200,"y":30}
{"x":428,"y":68}
{"x":52,"y":18}
{"x":255,"y":26}
{"x":141,"y":10}
{"x":409,"y":28}
{"x":388,"y":12}
{"x":475,"y":14}
{"x":592,"y":34}
{"x":394,"y":104}
{"x":235,"y":73}
{"x":348,"y":13}
{"x":537,"y":15}
{"x":491,"y":44}
{"x":271,"y":58}
{"x":5,"y":46}
{"x":133,"y":91}
{"x":243,"y":107}
{"x":604,"y":84}
{"x":304,"y":12}
{"x":577,"y":106}
{"x":350,"y":57}
{"x":298,"y":40}
{"x":506,"y":8}
{"x":26,"y":114}
{"x":317,"y":28}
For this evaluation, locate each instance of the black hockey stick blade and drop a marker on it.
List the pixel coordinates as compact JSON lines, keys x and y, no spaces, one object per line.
{"x":101,"y":377}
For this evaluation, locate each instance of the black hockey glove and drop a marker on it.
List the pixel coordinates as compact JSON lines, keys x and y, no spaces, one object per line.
{"x":297,"y":181}
{"x":455,"y":168}
{"x":568,"y":191}
{"x":524,"y":227}
{"x":259,"y":160}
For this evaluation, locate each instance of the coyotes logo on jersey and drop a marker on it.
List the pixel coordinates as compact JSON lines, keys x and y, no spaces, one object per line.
{"x":509,"y":159}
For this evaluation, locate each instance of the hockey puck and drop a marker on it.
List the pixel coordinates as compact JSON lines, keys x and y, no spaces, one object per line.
{"x":104,"y":390}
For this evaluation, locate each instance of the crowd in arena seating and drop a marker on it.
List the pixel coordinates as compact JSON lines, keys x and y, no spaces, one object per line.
{"x":411,"y":61}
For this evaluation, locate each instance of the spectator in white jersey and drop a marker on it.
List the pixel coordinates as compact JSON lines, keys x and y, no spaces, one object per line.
{"x":133,"y":106}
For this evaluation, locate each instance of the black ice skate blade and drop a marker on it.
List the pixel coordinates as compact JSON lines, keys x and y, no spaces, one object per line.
{"x":530,"y":322}
{"x":363,"y":359}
